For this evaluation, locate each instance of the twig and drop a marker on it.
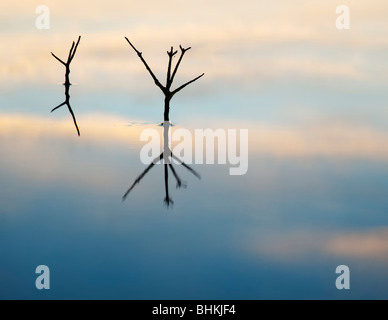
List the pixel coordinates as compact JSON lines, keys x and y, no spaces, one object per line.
{"x":183,"y":51}
{"x":58,"y":106}
{"x":139,"y":178}
{"x":157,"y":82}
{"x":75,"y":49}
{"x":186,"y":166}
{"x":167,"y":200}
{"x":58,"y":58}
{"x":179,"y":183}
{"x":74,"y":119}
{"x":186,"y":84}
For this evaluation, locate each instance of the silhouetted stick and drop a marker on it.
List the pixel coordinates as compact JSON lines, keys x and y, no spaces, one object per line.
{"x":139,"y":178}
{"x":75,"y":49}
{"x":167,"y":200}
{"x":168,"y":95}
{"x":74,"y":120}
{"x":70,"y":53}
{"x":179,"y":183}
{"x":171,"y":54}
{"x":186,"y":84}
{"x":157,"y":82}
{"x":67,"y":83}
{"x":186,"y":166}
{"x":183,"y":51}
{"x":58,"y":106}
{"x":58,"y":58}
{"x":170,"y":78}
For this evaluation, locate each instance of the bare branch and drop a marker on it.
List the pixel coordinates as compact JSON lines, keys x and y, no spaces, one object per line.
{"x":58,"y":58}
{"x":171,"y":54}
{"x":75,"y":49}
{"x":58,"y":106}
{"x":157,"y":82}
{"x":186,"y":84}
{"x":70,"y":53}
{"x":186,"y":166}
{"x":139,"y":178}
{"x":138,"y":52}
{"x":74,"y":120}
{"x":167,"y":200}
{"x":183,"y":51}
{"x":179,"y":183}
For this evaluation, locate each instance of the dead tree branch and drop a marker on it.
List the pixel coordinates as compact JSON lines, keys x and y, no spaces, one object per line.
{"x":58,"y":58}
{"x":67,"y":81}
{"x":171,"y":54}
{"x":186,"y":166}
{"x":170,"y":77}
{"x":157,"y":82}
{"x":139,"y":178}
{"x":179,"y":183}
{"x":168,"y":96}
{"x":183,"y":51}
{"x":167,"y":200}
{"x":186,"y":84}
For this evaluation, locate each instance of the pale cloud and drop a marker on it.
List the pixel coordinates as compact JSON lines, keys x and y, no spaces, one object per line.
{"x":369,"y":244}
{"x":95,"y":128}
{"x":43,"y":150}
{"x":324,"y":139}
{"x":338,"y":140}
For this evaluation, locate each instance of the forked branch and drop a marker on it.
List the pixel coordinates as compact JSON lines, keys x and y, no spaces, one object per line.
{"x":75,"y":49}
{"x":183,"y":51}
{"x":71,"y":55}
{"x":170,"y":77}
{"x":171,"y":54}
{"x":67,"y":84}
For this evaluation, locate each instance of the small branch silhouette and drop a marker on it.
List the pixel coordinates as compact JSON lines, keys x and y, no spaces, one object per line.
{"x":67,"y":83}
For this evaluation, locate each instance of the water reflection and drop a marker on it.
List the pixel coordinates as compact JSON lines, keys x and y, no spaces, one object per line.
{"x":291,"y":221}
{"x":167,"y":157}
{"x":67,"y":83}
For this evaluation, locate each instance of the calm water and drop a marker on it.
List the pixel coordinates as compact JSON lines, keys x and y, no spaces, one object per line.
{"x":315,"y":195}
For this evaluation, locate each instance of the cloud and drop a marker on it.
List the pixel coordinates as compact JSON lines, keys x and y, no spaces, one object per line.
{"x":369,"y":244}
{"x":323,"y":139}
{"x":48,"y":150}
{"x":95,"y":127}
{"x":230,"y":41}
